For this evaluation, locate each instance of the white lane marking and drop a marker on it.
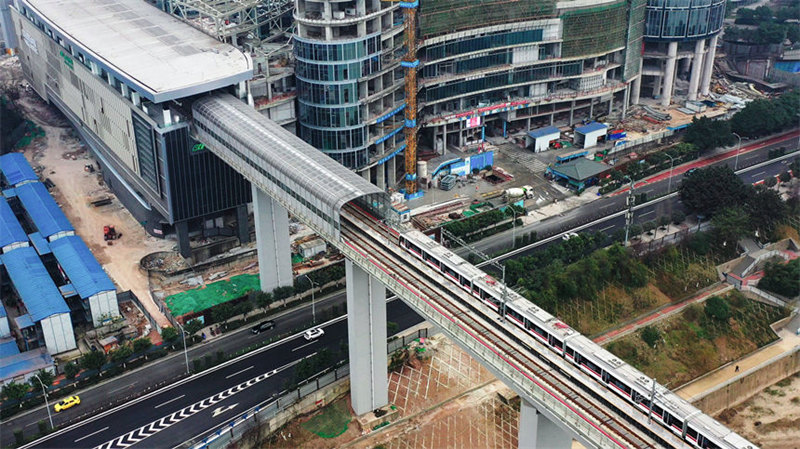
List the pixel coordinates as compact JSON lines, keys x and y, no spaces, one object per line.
{"x":607,"y":205}
{"x":93,"y":433}
{"x":221,"y":410}
{"x":758,"y":174}
{"x":647,"y":213}
{"x":239,"y":372}
{"x":301,"y":347}
{"x":608,"y":227}
{"x":171,"y":400}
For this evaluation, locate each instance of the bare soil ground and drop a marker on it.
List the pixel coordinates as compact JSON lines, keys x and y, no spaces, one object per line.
{"x":62,"y":158}
{"x":772,"y":418}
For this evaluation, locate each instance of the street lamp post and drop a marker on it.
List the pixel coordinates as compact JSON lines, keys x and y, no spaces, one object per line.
{"x":46,"y":403}
{"x":738,"y":149}
{"x":313,"y":309}
{"x":513,"y":227}
{"x":185,"y":353}
{"x":671,"y":165}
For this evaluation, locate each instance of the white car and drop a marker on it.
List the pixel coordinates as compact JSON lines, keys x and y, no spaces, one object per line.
{"x":313,"y":334}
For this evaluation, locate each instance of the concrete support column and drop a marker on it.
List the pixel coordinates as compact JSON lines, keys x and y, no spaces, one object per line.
{"x":392,"y":178}
{"x":697,"y":68}
{"x":538,"y":432}
{"x":571,"y":112}
{"x":625,"y":97}
{"x":365,"y":174}
{"x":636,"y":89}
{"x":272,"y":242}
{"x":380,"y":176}
{"x":591,"y":108}
{"x":182,"y":232}
{"x":366,"y":337}
{"x":242,"y":227}
{"x":708,"y":65}
{"x":669,"y":74}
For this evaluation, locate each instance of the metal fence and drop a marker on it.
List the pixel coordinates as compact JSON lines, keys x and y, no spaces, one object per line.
{"x":236,"y":428}
{"x":129,"y":296}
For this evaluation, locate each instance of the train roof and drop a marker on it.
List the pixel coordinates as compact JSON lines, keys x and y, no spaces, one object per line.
{"x":445,"y":255}
{"x":709,"y":426}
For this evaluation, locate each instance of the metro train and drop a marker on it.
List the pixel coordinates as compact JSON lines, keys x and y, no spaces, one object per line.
{"x":667,"y":408}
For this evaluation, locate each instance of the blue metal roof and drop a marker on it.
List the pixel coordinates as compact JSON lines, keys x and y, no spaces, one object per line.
{"x":546,"y":131}
{"x":8,"y":347}
{"x":81,"y":267}
{"x":10,"y":229}
{"x":24,"y":321}
{"x":43,"y":210}
{"x":39,"y":242}
{"x":3,"y":312}
{"x":593,"y":126}
{"x":16,"y":169}
{"x":24,"y":363}
{"x":33,"y":283}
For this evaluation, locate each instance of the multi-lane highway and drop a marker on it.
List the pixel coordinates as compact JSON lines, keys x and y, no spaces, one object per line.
{"x":172,"y":415}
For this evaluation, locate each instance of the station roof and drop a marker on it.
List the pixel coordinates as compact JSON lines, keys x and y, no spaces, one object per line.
{"x":33,"y":283}
{"x":154,"y":52}
{"x":546,"y":131}
{"x":16,"y":169}
{"x":24,"y":363}
{"x":43,"y":210}
{"x":80,"y":266}
{"x":591,"y":127}
{"x":10,"y":229}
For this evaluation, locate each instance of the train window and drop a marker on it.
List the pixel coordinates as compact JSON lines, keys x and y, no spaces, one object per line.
{"x":450,"y":271}
{"x":691,"y":433}
{"x":557,"y":343}
{"x":592,"y":367}
{"x":570,"y":351}
{"x":673,"y":421}
{"x":658,"y":410}
{"x":619,"y":384}
{"x":704,"y":443}
{"x":430,"y":258}
{"x":464,"y":281}
{"x":514,"y":314}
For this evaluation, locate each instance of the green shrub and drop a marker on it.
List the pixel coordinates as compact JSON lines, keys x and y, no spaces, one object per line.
{"x":651,"y":335}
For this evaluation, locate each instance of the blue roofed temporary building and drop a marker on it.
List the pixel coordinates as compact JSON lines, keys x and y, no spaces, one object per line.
{"x":21,"y":367}
{"x":587,"y":135}
{"x":41,"y":298}
{"x":540,"y":138}
{"x":8,"y":347}
{"x":11,"y":233}
{"x":43,"y":211}
{"x":16,"y":170}
{"x":464,"y":166}
{"x":87,"y":276}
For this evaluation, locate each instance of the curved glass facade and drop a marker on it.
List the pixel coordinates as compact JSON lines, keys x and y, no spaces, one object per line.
{"x":329,"y":112}
{"x":683,"y":19}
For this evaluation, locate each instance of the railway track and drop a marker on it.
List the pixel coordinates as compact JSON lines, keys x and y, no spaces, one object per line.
{"x":373,"y":239}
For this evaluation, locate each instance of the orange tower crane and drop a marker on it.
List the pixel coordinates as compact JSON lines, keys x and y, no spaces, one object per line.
{"x":410,"y":63}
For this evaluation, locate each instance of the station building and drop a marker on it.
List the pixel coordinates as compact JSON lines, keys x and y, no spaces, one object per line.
{"x":125,"y":74}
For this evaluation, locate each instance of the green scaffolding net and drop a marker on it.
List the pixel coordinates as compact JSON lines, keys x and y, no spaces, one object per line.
{"x":594,"y":30}
{"x":447,"y":16}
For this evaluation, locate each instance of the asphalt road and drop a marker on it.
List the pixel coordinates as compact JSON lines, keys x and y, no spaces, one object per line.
{"x":610,"y":204}
{"x":208,"y":399}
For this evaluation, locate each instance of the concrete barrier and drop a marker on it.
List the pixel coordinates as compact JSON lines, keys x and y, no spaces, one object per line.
{"x":744,"y":386}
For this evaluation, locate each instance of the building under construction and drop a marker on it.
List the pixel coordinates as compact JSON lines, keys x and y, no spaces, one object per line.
{"x":378,"y":78}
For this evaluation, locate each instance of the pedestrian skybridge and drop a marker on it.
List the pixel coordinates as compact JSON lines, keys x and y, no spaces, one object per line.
{"x":302,"y":179}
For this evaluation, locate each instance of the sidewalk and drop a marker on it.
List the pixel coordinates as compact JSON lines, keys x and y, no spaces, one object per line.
{"x":659,"y":314}
{"x":681,"y":169}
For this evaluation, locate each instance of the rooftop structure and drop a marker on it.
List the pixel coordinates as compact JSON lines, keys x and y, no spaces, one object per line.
{"x":11,"y":233}
{"x":21,"y":366}
{"x":33,"y":284}
{"x":16,"y":170}
{"x":81,"y":267}
{"x":43,"y":210}
{"x":179,"y":61}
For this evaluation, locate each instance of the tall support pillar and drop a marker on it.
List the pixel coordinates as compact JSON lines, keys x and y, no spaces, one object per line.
{"x":272,"y":242}
{"x":366,"y":337}
{"x":669,"y":74}
{"x":392,"y":169}
{"x":538,"y":432}
{"x":182,"y":232}
{"x":697,"y":68}
{"x":571,"y":112}
{"x":708,"y":66}
{"x":637,"y":88}
{"x":380,"y":176}
{"x":242,"y":227}
{"x":365,"y":174}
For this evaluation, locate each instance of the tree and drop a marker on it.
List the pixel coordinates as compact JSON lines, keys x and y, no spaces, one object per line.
{"x":222,"y":312}
{"x":678,"y":217}
{"x":121,"y":354}
{"x":730,"y":224}
{"x":785,"y":177}
{"x":45,"y":376}
{"x":771,"y":182}
{"x":782,"y":278}
{"x":706,"y":191}
{"x":15,"y":392}
{"x":193,"y":327}
{"x":71,"y":370}
{"x":282,"y":293}
{"x":707,"y":134}
{"x":663,"y":221}
{"x":718,"y":308}
{"x":141,"y":345}
{"x":169,"y":335}
{"x":651,"y":336}
{"x":263,"y":299}
{"x":766,"y":210}
{"x":94,"y":360}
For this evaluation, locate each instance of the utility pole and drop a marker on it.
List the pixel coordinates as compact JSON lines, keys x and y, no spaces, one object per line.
{"x":631,"y":200}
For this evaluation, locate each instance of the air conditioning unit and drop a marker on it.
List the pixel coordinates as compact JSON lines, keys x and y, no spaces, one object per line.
{"x":338,"y":14}
{"x":350,"y":11}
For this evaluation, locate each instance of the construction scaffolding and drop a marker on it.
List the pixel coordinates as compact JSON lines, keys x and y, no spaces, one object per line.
{"x":237,"y":22}
{"x":410,"y":63}
{"x":448,"y":16}
{"x":594,"y":30}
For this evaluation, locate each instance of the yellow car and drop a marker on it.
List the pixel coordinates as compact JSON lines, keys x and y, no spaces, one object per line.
{"x":67,"y":403}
